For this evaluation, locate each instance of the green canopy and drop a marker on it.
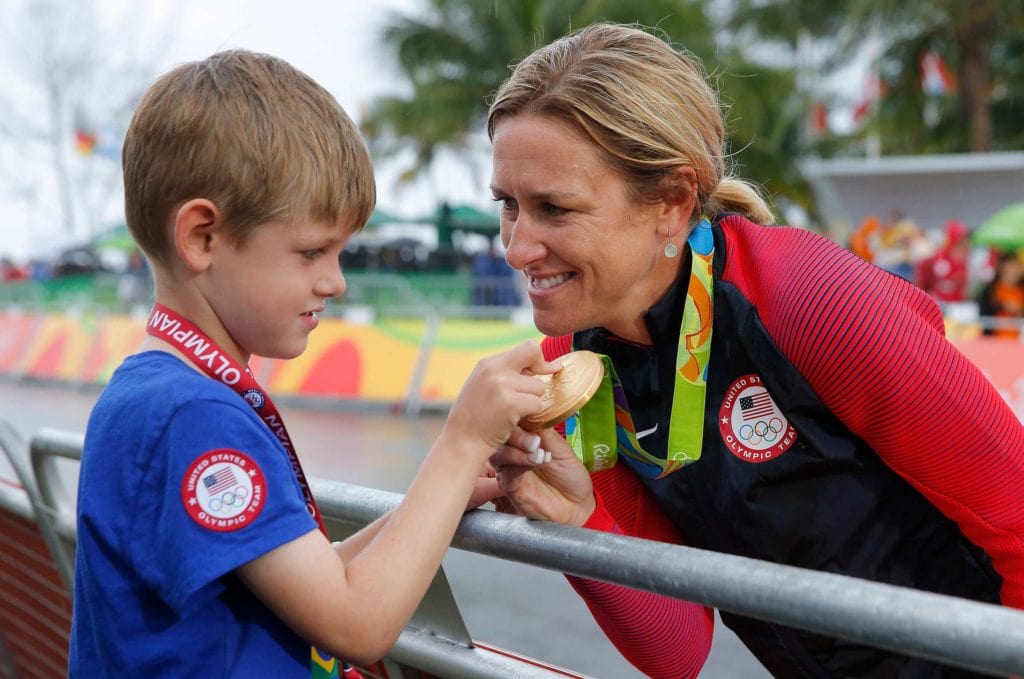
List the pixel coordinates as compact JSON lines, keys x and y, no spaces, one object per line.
{"x":450,"y":218}
{"x":1003,"y":230}
{"x":381,"y":217}
{"x":115,"y":238}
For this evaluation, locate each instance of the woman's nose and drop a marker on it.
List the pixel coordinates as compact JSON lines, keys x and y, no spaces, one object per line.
{"x":522,"y":245}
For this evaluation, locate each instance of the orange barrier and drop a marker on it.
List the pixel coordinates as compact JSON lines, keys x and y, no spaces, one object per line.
{"x":369,"y":362}
{"x":373,"y":362}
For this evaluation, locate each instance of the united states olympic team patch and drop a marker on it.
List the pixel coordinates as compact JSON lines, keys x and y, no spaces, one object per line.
{"x":753,"y":428}
{"x":223,"y":490}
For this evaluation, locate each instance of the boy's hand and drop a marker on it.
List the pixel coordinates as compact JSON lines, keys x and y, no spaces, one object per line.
{"x":500,"y":391}
{"x":556,"y":489}
{"x":486,"y":489}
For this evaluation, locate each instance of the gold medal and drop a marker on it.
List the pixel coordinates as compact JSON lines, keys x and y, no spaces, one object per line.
{"x":567,"y":390}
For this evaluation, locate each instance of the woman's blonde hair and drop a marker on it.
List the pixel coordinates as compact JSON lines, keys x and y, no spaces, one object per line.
{"x":251,"y":133}
{"x":646,"y":104}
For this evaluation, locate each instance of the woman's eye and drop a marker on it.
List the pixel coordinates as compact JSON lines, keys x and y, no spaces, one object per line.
{"x":507,"y":204}
{"x":553,"y":210}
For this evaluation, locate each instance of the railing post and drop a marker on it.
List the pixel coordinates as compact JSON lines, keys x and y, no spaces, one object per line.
{"x":413,"y":396}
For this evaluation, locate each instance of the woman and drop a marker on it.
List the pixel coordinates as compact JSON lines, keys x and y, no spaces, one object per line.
{"x":778,"y":397}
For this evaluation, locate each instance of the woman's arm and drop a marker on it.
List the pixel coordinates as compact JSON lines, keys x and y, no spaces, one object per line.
{"x":872,"y":347}
{"x":660,"y":635}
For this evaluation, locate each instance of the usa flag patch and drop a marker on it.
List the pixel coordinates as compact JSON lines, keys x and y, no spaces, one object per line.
{"x":753,"y":427}
{"x":223,"y":490}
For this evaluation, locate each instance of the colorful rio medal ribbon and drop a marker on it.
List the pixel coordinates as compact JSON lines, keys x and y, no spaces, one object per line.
{"x":204,"y":353}
{"x":603,"y":429}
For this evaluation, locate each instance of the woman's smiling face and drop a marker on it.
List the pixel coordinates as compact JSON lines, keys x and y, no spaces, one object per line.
{"x":592,"y":255}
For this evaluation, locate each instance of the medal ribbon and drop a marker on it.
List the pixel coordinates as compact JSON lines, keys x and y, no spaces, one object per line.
{"x":203,"y":352}
{"x":604,"y":429}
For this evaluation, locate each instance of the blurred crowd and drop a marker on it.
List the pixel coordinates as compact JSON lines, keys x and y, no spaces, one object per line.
{"x":943,"y":263}
{"x":978,"y":282}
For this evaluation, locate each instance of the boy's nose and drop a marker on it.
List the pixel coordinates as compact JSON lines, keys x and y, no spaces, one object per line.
{"x":332,"y":284}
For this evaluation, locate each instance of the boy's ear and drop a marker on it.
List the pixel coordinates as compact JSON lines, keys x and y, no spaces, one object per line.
{"x":195,"y":223}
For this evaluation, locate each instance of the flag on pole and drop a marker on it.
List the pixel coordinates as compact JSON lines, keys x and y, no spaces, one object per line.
{"x":85,"y":134}
{"x":874,"y":90}
{"x":936,"y":77}
{"x":817,"y":120}
{"x":85,"y":142}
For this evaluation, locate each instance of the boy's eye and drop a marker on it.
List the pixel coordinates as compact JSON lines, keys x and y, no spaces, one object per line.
{"x":312,"y":254}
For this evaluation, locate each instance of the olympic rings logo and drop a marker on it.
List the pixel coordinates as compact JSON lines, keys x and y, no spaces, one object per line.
{"x":230,"y":500}
{"x":761,"y":431}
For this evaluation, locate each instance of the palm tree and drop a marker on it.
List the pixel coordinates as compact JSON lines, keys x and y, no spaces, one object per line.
{"x":973,"y":34}
{"x":457,"y":55}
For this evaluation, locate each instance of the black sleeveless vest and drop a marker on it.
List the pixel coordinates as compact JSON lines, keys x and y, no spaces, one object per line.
{"x":782,"y":479}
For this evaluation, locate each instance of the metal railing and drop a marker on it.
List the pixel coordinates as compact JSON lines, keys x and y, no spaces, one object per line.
{"x":436,"y":641}
{"x":982,"y":637}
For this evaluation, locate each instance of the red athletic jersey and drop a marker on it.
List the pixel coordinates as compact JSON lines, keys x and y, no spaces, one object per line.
{"x":925,"y":409}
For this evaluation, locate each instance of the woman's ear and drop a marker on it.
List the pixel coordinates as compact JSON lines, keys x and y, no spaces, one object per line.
{"x":680,"y":201}
{"x":195,"y":222}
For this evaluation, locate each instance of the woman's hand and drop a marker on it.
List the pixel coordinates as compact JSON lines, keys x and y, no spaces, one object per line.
{"x":554,"y":489}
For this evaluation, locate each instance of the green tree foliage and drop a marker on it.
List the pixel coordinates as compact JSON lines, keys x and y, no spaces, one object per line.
{"x":980,"y":40}
{"x":457,"y":53}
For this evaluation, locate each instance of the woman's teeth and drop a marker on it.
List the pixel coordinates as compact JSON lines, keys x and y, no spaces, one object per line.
{"x":549,"y":281}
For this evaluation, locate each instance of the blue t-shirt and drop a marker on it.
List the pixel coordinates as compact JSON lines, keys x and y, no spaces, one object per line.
{"x":181,"y":483}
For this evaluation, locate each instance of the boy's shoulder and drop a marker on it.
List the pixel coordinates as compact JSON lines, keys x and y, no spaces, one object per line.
{"x":155,"y":402}
{"x":163,"y":376}
{"x":160,"y":384}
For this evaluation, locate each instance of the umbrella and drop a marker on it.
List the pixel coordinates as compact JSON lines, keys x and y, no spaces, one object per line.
{"x":1003,"y":230}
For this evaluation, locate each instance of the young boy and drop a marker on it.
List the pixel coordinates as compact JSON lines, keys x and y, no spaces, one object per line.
{"x":199,"y":552}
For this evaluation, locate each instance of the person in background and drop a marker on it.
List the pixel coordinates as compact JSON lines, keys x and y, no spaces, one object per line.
{"x":493,"y":282}
{"x":1003,"y":298}
{"x":945,"y":274}
{"x":862,"y":240}
{"x":899,"y":245}
{"x":768,"y":393}
{"x":11,"y":272}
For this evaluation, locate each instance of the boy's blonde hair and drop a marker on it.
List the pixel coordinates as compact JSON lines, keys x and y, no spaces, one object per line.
{"x":647,"y":105}
{"x":254,"y":135}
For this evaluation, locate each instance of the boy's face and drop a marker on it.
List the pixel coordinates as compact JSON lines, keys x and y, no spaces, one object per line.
{"x":268,"y":291}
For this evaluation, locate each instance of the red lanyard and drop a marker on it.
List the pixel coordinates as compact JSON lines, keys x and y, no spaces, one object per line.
{"x":211,"y":359}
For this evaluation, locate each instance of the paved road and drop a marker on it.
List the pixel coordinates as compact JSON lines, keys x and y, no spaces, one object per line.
{"x":522,"y":608}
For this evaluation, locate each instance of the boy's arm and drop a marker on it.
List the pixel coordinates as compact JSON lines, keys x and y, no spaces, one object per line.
{"x":485,"y":490}
{"x":357,"y":610}
{"x":356,"y":607}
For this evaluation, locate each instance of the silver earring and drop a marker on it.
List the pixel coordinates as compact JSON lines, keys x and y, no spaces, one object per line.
{"x":671,"y":250}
